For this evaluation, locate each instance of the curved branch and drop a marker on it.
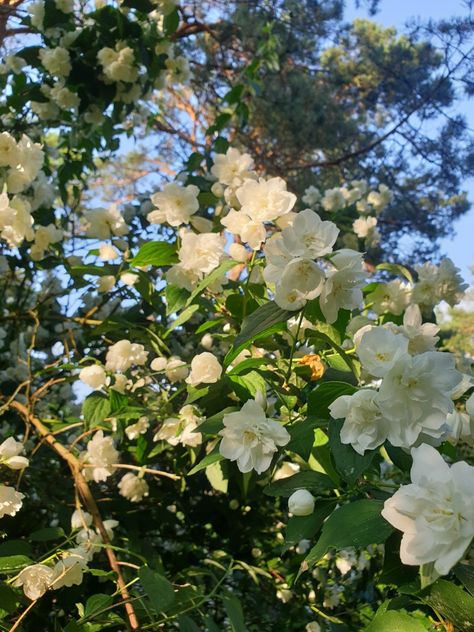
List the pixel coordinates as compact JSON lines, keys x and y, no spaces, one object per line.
{"x":89,"y":501}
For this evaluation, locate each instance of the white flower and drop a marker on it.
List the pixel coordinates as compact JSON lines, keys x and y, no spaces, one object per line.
{"x":9,"y":153}
{"x":311,"y":196}
{"x":36,"y":11}
{"x":181,"y":429}
{"x":379,"y":348}
{"x":232,"y":167}
{"x":265,"y":200}
{"x":101,"y":223}
{"x":205,"y":368}
{"x":15,"y":220}
{"x":435,"y":512}
{"x":309,"y":236}
{"x":250,"y":438}
{"x":133,"y":488}
{"x":415,"y":396}
{"x":123,"y":354}
{"x":470,"y":405}
{"x":300,"y":281}
{"x":101,"y":453}
{"x":345,"y":560}
{"x":107,"y":252}
{"x":69,"y":571}
{"x":175,"y":204}
{"x":313,"y":626}
{"x":129,"y":278}
{"x":343,"y":285}
{"x":10,"y":500}
{"x":364,"y":226}
{"x":421,"y":336}
{"x":10,"y":451}
{"x":201,"y":253}
{"x":301,"y":503}
{"x":333,"y":200}
{"x":176,"y":369}
{"x":392,"y":297}
{"x":435,"y":284}
{"x":118,"y":64}
{"x":63,"y":97}
{"x":35,"y":580}
{"x":238,"y":252}
{"x":94,"y":376}
{"x":140,"y":427}
{"x":251,"y":231}
{"x":80,"y":519}
{"x":56,"y":60}
{"x":364,"y":427}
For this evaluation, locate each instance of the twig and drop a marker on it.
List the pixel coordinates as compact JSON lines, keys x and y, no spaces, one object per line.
{"x":90,"y":503}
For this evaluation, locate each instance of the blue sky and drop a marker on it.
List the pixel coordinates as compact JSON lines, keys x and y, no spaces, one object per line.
{"x":397,"y":13}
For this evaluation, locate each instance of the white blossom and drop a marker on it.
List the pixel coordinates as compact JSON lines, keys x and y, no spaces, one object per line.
{"x":342,"y":289}
{"x":93,"y":375}
{"x":435,"y":511}
{"x":102,"y":455}
{"x":124,"y":354}
{"x":133,"y":488}
{"x":250,"y":438}
{"x":10,"y":501}
{"x":175,"y":204}
{"x":379,"y":348}
{"x":415,"y":396}
{"x":232,"y":167}
{"x":364,"y":426}
{"x":205,"y":369}
{"x":10,"y":454}
{"x":35,"y":580}
{"x":181,"y":429}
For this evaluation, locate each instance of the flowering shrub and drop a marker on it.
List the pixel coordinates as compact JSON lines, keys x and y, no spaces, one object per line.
{"x":211,"y":402}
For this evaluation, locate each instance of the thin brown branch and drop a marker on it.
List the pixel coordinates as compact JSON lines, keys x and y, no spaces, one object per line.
{"x":89,"y":502}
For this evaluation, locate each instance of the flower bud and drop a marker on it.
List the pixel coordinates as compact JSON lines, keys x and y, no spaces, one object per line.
{"x":301,"y":503}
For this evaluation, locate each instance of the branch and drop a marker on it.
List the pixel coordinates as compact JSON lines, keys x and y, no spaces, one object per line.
{"x":89,"y":501}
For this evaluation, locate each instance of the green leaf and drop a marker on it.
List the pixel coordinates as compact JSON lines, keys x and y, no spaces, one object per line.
{"x":216,"y":474}
{"x":465,"y":574}
{"x":235,"y":613}
{"x":181,"y":319}
{"x":210,"y":278}
{"x":305,"y":527}
{"x":158,"y":589}
{"x":14,"y":563}
{"x":96,"y":408}
{"x":171,"y":22}
{"x":307,"y":479}
{"x":265,"y":320}
{"x":186,"y":624}
{"x":348,"y":462}
{"x":392,"y":621}
{"x":358,"y":524}
{"x":176,"y":298}
{"x":248,"y":385}
{"x":453,"y":603}
{"x":46,"y":534}
{"x":96,"y":604}
{"x":155,"y":253}
{"x":9,"y":599}
{"x":397,"y":270}
{"x":302,"y":437}
{"x":209,"y":459}
{"x":324,"y":395}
